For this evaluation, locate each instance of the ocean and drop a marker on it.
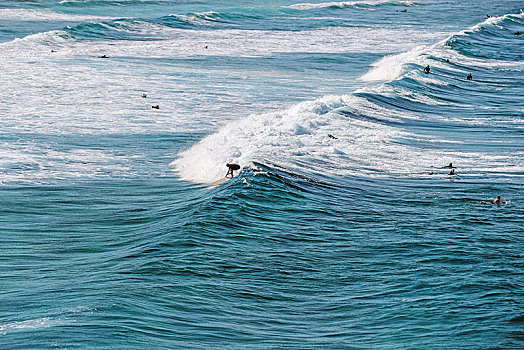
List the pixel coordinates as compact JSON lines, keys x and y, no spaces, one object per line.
{"x":344,"y":229}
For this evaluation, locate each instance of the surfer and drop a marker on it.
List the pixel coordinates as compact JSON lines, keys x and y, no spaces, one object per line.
{"x":332,"y":137}
{"x":103,"y":56}
{"x":495,"y":201}
{"x":156,"y":107}
{"x":450,"y":165}
{"x":517,"y":33}
{"x":427,"y":69}
{"x":144,"y":95}
{"x":469,"y":76}
{"x":232,"y":167}
{"x":452,"y":172}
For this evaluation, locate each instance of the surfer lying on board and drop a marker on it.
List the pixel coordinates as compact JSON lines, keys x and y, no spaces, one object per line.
{"x":232,"y":167}
{"x":495,"y":201}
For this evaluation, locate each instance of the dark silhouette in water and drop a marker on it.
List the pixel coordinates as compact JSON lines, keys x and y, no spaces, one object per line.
{"x":333,"y":137}
{"x":144,"y":95}
{"x":156,"y":107}
{"x":232,"y":167}
{"x":469,"y":77}
{"x":450,"y":165}
{"x":452,"y":172}
{"x":495,"y":201}
{"x":103,"y":56}
{"x":517,"y":319}
{"x":427,"y":69}
{"x":516,"y":33}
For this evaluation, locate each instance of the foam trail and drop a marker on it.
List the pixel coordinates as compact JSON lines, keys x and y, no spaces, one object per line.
{"x":37,"y":323}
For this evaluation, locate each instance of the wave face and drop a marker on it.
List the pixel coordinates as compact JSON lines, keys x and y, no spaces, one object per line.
{"x":343,"y":229}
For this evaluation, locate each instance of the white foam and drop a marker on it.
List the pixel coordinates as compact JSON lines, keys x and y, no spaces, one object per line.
{"x":37,"y":323}
{"x":45,"y":15}
{"x":342,"y":4}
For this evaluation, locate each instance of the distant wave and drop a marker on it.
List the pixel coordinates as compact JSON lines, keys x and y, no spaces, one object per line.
{"x":343,"y":4}
{"x":45,"y":15}
{"x":203,"y":18}
{"x":52,"y":38}
{"x":391,"y":67}
{"x":91,"y":3}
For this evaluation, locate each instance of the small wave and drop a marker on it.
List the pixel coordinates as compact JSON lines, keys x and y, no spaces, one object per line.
{"x":208,"y":18}
{"x":52,"y":38}
{"x":117,"y":30}
{"x":343,"y":4}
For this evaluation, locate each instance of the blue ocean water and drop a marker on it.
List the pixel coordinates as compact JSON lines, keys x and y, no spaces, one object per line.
{"x":111,"y":235}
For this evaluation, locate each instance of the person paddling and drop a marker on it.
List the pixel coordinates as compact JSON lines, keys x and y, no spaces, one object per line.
{"x":495,"y":201}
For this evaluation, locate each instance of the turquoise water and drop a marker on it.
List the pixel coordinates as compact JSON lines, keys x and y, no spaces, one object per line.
{"x":112,"y":236}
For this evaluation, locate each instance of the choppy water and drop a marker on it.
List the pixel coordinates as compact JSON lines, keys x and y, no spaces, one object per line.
{"x":112,"y":237}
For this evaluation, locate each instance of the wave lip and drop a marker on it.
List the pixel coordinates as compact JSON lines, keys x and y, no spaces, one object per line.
{"x":343,"y":4}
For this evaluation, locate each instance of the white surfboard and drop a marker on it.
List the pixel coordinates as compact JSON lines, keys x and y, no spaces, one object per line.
{"x":221,"y":181}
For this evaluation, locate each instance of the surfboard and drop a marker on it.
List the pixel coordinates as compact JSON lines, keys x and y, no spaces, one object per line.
{"x":220,"y":182}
